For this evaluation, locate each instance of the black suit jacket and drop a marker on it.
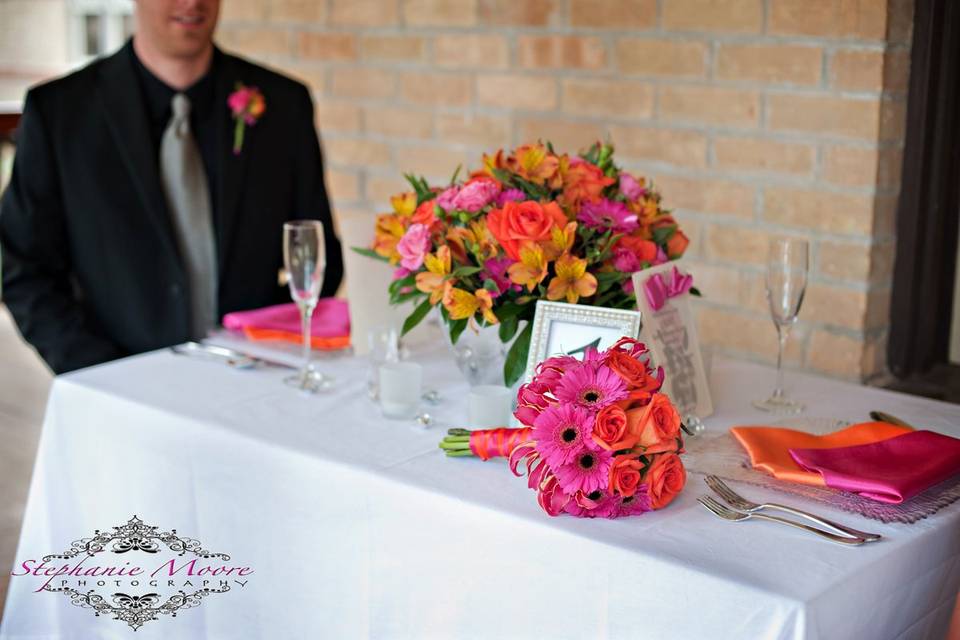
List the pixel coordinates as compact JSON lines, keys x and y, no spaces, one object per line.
{"x":91,"y":269}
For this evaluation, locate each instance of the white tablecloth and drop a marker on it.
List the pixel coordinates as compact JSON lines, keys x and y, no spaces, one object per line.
{"x":357,"y":526}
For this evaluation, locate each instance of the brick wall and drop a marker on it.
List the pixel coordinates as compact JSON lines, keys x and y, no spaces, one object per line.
{"x":755,"y":117}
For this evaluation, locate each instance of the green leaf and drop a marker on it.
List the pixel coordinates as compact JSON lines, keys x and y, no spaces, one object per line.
{"x":456,"y":173}
{"x":508,"y":329}
{"x":370,"y":253}
{"x":663,"y":234}
{"x":509,"y":310}
{"x":397,"y":285}
{"x":492,"y":287}
{"x":414,"y":318}
{"x":695,"y":292}
{"x":400,"y":298}
{"x":462,"y":272}
{"x":456,"y":328}
{"x":516,"y":362}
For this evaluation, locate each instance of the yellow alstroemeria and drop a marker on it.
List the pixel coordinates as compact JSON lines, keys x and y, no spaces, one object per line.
{"x":487,"y":246}
{"x":572,"y":280}
{"x":460,"y":304}
{"x":434,"y":280}
{"x":485,"y":301}
{"x":560,"y":242}
{"x":387,"y":234}
{"x":404,"y":203}
{"x":532,"y":268}
{"x":535,"y":163}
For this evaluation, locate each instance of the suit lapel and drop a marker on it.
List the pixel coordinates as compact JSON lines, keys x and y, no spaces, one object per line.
{"x":234,"y":165}
{"x":127,"y":120}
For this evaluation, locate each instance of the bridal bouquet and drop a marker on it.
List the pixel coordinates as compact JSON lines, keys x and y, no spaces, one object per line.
{"x":530,"y":224}
{"x":600,"y":440}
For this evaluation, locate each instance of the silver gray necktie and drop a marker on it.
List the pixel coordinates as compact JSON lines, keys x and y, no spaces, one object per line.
{"x":188,"y":200}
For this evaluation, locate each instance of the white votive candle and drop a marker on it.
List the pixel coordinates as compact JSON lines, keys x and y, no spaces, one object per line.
{"x":489,"y":406}
{"x":400,"y":389}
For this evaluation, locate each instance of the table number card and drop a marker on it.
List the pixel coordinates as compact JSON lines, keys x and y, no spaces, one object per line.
{"x":669,"y":330}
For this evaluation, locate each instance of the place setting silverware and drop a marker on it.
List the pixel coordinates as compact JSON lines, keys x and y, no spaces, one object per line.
{"x":740,"y":509}
{"x":230,"y":357}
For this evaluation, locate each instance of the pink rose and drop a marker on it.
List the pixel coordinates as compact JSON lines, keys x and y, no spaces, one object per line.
{"x":413,"y":246}
{"x":630,"y":187}
{"x":447,"y":198}
{"x":476,"y":195}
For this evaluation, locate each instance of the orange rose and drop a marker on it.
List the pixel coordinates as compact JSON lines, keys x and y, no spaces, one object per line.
{"x":520,"y":222}
{"x":677,"y":244}
{"x":644,"y":250}
{"x":610,"y":428}
{"x":625,"y":475}
{"x":583,"y":181}
{"x":665,"y":479}
{"x":633,"y":372}
{"x":424,"y":214}
{"x":656,"y":425}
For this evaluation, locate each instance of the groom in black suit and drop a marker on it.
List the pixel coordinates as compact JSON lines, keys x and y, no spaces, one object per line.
{"x":130,"y":222}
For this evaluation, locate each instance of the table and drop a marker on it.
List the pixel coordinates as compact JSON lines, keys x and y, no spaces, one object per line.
{"x":356,"y":526}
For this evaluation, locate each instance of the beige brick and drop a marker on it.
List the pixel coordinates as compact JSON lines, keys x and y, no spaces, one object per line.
{"x":746,"y":334}
{"x":857,"y":70}
{"x":566,"y":135}
{"x":379,"y":189}
{"x":850,"y":117}
{"x":328,"y":46}
{"x":835,"y":354}
{"x":435,"y":161}
{"x":312,"y":73}
{"x":337,"y":116}
{"x":882,"y":258}
{"x":885,"y":214}
{"x":739,"y":245}
{"x":471,"y":50}
{"x":834,"y":306}
{"x":363,"y":13}
{"x":845,"y":261}
{"x":874,"y":357}
{"x":878,"y":309}
{"x":255,"y":41}
{"x":398,"y":122}
{"x":363,"y":83}
{"x":820,"y":210}
{"x":528,"y":13}
{"x":865,"y":19}
{"x":893,"y":120}
{"x":343,"y":185}
{"x":899,"y":20}
{"x":619,"y":98}
{"x":716,"y":282}
{"x":850,"y":166}
{"x":243,"y":10}
{"x":713,"y":15}
{"x":553,"y":52}
{"x":662,"y":57}
{"x":752,"y":294}
{"x":674,"y":146}
{"x":404,"y":48}
{"x":619,"y":14}
{"x":711,"y":105}
{"x":507,"y":91}
{"x":489,"y":132}
{"x":777,"y":64}
{"x":298,"y":11}
{"x":896,"y":71}
{"x":440,"y":13}
{"x":432,"y":89}
{"x":356,"y":152}
{"x":707,"y":195}
{"x":759,"y":154}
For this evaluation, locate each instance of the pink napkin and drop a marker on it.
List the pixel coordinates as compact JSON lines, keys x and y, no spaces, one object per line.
{"x":891,"y":470}
{"x":331,"y":319}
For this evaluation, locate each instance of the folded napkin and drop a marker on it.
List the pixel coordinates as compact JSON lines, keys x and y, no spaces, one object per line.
{"x":893,"y":470}
{"x":329,"y":326}
{"x":769,"y":447}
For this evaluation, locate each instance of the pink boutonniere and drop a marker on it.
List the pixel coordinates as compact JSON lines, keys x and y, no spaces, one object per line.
{"x":247,"y":105}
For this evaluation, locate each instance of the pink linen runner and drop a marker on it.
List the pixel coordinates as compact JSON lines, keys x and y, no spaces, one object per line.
{"x":331,"y":319}
{"x":891,"y":470}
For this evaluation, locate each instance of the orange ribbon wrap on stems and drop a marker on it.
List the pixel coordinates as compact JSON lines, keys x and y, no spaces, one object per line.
{"x":498,"y":443}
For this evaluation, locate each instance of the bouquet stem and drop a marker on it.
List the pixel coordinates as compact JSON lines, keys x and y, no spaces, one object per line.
{"x":483,"y":443}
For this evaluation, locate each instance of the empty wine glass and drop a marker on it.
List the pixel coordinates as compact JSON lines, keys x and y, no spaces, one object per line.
{"x":786,"y":283}
{"x":305,"y":261}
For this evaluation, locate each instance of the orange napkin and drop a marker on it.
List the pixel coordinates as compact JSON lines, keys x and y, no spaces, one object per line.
{"x":769,"y":447}
{"x":316,"y":342}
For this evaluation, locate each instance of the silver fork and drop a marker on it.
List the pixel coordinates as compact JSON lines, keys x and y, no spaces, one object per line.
{"x":737,"y":516}
{"x":737,"y":501}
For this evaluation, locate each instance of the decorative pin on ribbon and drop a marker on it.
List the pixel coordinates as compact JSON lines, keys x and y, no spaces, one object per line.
{"x":247,"y":105}
{"x":659,"y":287}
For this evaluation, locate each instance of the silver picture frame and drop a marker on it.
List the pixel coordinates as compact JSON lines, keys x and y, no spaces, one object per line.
{"x":561,"y":328}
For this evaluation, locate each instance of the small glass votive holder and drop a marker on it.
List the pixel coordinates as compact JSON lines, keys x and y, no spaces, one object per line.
{"x":489,"y":406}
{"x":400,"y":389}
{"x":383,"y":344}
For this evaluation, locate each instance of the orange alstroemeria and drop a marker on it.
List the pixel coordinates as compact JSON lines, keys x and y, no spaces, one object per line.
{"x":535,"y":163}
{"x":560,"y":242}
{"x":531,"y":269}
{"x":404,"y":203}
{"x":389,"y":230}
{"x":486,"y":245}
{"x":434,"y":280}
{"x":572,"y":280}
{"x":462,"y":304}
{"x":485,"y":301}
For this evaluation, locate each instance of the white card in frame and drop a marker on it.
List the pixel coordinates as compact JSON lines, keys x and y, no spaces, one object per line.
{"x":560,"y":328}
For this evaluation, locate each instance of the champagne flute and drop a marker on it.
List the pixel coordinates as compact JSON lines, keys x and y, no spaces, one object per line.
{"x":305,"y":261}
{"x":786,"y":284}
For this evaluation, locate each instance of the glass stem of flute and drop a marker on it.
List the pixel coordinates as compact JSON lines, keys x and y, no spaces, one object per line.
{"x":783,"y":332}
{"x":306,"y":311}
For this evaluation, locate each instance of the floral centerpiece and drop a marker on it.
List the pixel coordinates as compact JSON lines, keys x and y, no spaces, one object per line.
{"x":528,"y":225}
{"x":600,"y":439}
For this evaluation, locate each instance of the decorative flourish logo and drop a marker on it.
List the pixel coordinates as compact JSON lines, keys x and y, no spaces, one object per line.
{"x":173,"y":582}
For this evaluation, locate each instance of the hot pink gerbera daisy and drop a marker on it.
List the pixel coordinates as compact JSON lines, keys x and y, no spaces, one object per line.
{"x":608,"y":214}
{"x":591,"y":385}
{"x":636,"y":504}
{"x":562,"y":432}
{"x":599,"y":504}
{"x":589,"y":471}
